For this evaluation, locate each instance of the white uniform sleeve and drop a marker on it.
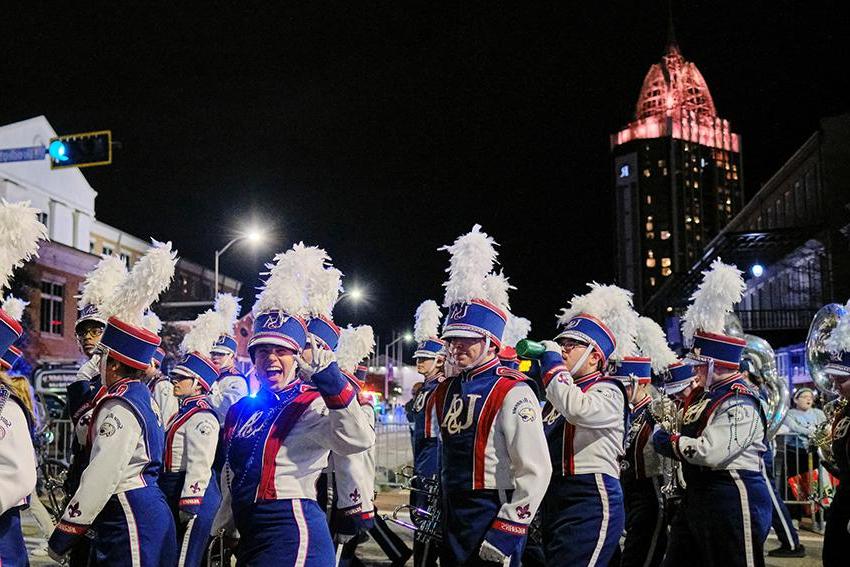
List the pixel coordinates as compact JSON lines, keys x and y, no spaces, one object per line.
{"x":346,"y":430}
{"x":118,"y":434}
{"x":17,"y":457}
{"x":521,"y":424}
{"x":201,"y":441}
{"x":353,"y":477}
{"x":165,"y":401}
{"x":601,"y":407}
{"x":225,"y":393}
{"x":733,"y":427}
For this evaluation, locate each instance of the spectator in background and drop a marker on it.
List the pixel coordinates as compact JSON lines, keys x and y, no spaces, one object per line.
{"x":799,"y":424}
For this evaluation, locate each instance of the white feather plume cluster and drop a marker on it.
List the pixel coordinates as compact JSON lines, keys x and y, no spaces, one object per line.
{"x":652,"y":342}
{"x":152,"y":322}
{"x":228,"y":307}
{"x":721,"y":288}
{"x":613,"y":306}
{"x":290,"y":277}
{"x":324,"y":288}
{"x":839,"y":339}
{"x":472,"y":258}
{"x":102,"y":281}
{"x":20,"y":232}
{"x":14,"y":307}
{"x":355,"y":344}
{"x":427,"y":322}
{"x":149,"y":277}
{"x":496,"y":288}
{"x":516,"y":329}
{"x":204,"y":332}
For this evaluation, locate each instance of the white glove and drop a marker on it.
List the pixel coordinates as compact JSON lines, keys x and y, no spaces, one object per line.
{"x":490,"y":553}
{"x":321,"y":359}
{"x":552,"y":346}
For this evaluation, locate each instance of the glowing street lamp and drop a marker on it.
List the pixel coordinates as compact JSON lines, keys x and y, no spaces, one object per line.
{"x":757,"y":270}
{"x":253,"y":235}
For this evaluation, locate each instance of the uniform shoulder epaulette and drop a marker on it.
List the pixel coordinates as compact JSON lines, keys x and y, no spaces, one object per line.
{"x":510,"y":373}
{"x":742,"y":389}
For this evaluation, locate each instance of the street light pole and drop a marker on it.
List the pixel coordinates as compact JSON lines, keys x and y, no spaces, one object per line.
{"x":218,"y":253}
{"x":397,"y":356}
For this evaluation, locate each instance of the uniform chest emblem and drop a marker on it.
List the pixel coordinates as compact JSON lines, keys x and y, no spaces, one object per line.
{"x":251,"y":426}
{"x":694,"y":412}
{"x":419,"y":402}
{"x":456,"y":419}
{"x":841,"y":428}
{"x":551,"y":416}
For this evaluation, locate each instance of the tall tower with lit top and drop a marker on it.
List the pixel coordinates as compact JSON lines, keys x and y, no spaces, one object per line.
{"x":677,"y":176}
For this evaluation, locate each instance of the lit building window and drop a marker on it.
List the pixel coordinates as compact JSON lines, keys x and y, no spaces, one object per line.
{"x":52,"y":307}
{"x":649,"y":199}
{"x":650,"y":262}
{"x":650,"y":236}
{"x":649,"y":224}
{"x":665,"y":262}
{"x":696,"y":184}
{"x":696,"y":220}
{"x":650,"y":254}
{"x":665,"y":234}
{"x":666,"y":272}
{"x":646,"y":172}
{"x":665,"y":171}
{"x":652,"y":282}
{"x":688,"y":219}
{"x":661,"y":163}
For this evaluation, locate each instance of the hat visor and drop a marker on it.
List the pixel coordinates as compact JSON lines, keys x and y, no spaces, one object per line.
{"x":94,"y":317}
{"x":221,"y":350}
{"x":426,"y":354}
{"x":280,"y":340}
{"x":673,"y":389}
{"x":463,"y":334}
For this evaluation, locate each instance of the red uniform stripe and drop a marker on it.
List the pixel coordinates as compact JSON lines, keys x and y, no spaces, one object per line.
{"x":489,"y":410}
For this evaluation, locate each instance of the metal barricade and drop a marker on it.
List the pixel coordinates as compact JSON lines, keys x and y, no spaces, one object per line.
{"x":63,"y":434}
{"x":393,"y":450}
{"x":802,"y":483}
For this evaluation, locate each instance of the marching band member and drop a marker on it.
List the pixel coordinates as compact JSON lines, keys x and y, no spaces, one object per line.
{"x":21,"y":232}
{"x":836,"y":540}
{"x":191,"y":438}
{"x":724,"y":517}
{"x":118,"y":494}
{"x":354,"y":475}
{"x":487,"y":418}
{"x":430,"y":358}
{"x":641,"y":475}
{"x":585,"y":422}
{"x":231,"y":385}
{"x":165,"y":404}
{"x":278,"y":442}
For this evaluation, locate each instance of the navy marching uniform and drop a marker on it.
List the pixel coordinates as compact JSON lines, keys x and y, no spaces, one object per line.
{"x":187,"y":480}
{"x":724,"y":517}
{"x":585,"y":422}
{"x":230,"y":385}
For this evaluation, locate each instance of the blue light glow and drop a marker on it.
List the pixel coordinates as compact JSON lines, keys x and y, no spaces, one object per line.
{"x":757,"y":270}
{"x":58,"y":150}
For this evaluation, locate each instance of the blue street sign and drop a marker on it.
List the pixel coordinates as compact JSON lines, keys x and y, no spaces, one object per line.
{"x":33,"y":153}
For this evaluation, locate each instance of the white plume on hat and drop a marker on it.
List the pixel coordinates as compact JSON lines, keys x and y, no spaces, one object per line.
{"x":228,"y":307}
{"x":324,"y":288}
{"x":472,"y":258}
{"x":652,"y":343}
{"x":837,"y":342}
{"x":149,"y":277}
{"x":14,"y":307}
{"x":721,"y":288}
{"x":355,"y":344}
{"x":152,"y":322}
{"x":100,"y":283}
{"x":496,"y":288}
{"x":204,"y":332}
{"x":291,"y":274}
{"x":613,"y":306}
{"x":427,"y":322}
{"x":20,"y":232}
{"x":516,"y":329}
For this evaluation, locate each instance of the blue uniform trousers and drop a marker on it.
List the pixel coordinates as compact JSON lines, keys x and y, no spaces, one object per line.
{"x":284,"y":533}
{"x":193,"y":537}
{"x":722,"y":521}
{"x":781,"y":518}
{"x":135,"y":528}
{"x":836,"y":539}
{"x":467,"y":516}
{"x":13,"y":552}
{"x":646,"y":523}
{"x":583,"y":519}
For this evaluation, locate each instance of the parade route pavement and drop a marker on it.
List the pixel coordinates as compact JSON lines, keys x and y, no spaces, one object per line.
{"x":370,"y":554}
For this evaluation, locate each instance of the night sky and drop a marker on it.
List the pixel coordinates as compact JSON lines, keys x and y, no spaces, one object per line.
{"x":384,"y":132}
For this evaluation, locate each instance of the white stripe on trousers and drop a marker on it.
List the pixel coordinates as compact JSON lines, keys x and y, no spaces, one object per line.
{"x":745,"y":512}
{"x":303,"y":533}
{"x":132,"y":531}
{"x":659,"y":522}
{"x":606,"y":518}
{"x":184,"y":549}
{"x":776,"y":509}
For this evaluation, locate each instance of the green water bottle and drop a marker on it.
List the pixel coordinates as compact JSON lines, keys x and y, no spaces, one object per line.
{"x":528,"y":349}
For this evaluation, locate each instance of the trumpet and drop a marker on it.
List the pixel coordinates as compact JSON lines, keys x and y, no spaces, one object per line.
{"x":426,"y":522}
{"x":665,"y":413}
